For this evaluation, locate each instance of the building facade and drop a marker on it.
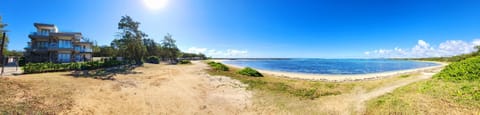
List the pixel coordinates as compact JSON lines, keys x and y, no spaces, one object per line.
{"x":49,"y":45}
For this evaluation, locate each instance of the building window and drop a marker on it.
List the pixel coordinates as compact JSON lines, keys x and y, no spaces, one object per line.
{"x":64,"y":57}
{"x":41,"y":44}
{"x":64,"y":44}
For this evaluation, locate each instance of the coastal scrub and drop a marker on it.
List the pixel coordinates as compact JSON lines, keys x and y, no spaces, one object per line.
{"x":250,"y":72}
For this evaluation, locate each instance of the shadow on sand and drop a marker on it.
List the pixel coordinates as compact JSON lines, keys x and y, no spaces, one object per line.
{"x":105,"y":73}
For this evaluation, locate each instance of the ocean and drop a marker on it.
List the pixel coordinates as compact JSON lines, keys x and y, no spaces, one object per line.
{"x":330,"y":66}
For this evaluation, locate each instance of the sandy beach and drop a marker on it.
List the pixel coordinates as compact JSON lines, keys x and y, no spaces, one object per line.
{"x":340,"y":78}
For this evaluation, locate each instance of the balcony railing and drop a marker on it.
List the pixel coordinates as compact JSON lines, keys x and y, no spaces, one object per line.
{"x":40,"y":33}
{"x":83,"y":49}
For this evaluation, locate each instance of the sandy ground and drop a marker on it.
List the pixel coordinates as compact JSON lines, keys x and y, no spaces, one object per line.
{"x":165,"y":89}
{"x":339,"y":78}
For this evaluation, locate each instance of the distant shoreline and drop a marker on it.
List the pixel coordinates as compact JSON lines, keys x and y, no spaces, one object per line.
{"x":341,"y":78}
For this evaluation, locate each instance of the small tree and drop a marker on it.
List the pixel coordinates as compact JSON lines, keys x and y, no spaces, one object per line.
{"x":130,"y":43}
{"x":171,"y":50}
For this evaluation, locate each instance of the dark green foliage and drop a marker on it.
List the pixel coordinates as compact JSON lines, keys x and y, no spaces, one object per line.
{"x":21,"y":61}
{"x":468,"y":69}
{"x":250,"y":72}
{"x":153,"y":59}
{"x":130,"y":44}
{"x":53,"y":67}
{"x":185,"y":62}
{"x":218,"y":66}
{"x":192,"y":56}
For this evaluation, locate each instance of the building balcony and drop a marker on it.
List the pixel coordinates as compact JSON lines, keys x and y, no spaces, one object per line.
{"x":83,"y":50}
{"x":40,"y":33}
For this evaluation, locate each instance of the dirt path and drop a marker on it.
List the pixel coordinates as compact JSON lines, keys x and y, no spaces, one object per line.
{"x":355,"y":102}
{"x":160,"y":89}
{"x":362,"y":98}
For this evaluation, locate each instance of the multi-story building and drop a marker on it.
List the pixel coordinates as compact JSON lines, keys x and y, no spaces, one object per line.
{"x":50,"y":45}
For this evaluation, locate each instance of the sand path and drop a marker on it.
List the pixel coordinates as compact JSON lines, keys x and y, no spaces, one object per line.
{"x":165,"y":89}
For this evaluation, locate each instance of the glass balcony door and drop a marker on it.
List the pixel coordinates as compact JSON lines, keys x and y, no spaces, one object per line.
{"x":65,"y":44}
{"x":64,"y":57}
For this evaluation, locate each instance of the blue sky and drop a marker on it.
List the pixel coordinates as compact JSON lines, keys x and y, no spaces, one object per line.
{"x":268,"y":28}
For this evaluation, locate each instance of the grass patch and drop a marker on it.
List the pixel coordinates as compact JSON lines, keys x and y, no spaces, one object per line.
{"x":185,"y":62}
{"x":218,"y":66}
{"x":250,"y":72}
{"x":296,"y":88}
{"x":404,"y":76}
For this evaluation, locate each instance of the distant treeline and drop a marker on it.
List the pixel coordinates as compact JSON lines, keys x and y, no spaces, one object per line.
{"x":448,"y":59}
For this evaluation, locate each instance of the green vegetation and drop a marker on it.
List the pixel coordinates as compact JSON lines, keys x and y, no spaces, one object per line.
{"x":468,"y":69}
{"x":456,"y":89}
{"x":21,"y":61}
{"x":53,"y":67}
{"x":192,"y":56}
{"x":134,"y":45}
{"x":185,"y":62}
{"x":218,"y":66}
{"x":153,"y":59}
{"x":250,"y":72}
{"x":130,"y":44}
{"x":2,"y":28}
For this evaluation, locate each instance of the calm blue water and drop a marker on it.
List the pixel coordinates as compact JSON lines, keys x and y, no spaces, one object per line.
{"x":331,"y":66}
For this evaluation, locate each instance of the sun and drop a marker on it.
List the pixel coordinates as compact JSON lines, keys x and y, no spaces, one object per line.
{"x":155,"y":4}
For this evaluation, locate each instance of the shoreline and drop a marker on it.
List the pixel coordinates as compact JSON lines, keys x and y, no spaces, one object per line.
{"x":343,"y":78}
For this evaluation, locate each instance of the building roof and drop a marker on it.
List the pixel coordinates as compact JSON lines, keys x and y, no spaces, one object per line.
{"x":43,"y":25}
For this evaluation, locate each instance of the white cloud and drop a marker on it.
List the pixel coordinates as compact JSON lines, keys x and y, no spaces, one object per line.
{"x":229,"y":53}
{"x":424,"y":49}
{"x":196,"y":50}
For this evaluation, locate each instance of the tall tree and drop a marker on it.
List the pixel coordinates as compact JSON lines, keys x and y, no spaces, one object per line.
{"x":170,"y":49}
{"x":152,"y":47}
{"x":130,"y":43}
{"x":2,"y":26}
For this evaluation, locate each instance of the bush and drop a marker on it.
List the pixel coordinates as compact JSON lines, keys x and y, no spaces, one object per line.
{"x":468,"y":70}
{"x":250,"y":72}
{"x":185,"y":62}
{"x":53,"y":67}
{"x":218,"y":66}
{"x":153,"y":59}
{"x":21,"y":61}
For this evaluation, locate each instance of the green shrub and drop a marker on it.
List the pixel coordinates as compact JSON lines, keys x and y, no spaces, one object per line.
{"x":468,"y":69}
{"x":53,"y":67}
{"x":153,"y":59}
{"x":218,"y":66}
{"x":185,"y":62}
{"x":250,"y":72}
{"x":21,"y":61}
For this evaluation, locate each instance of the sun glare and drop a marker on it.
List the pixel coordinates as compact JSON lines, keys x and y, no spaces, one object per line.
{"x":155,"y":4}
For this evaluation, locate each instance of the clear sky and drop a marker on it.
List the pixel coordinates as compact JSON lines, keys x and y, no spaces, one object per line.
{"x":267,"y":28}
